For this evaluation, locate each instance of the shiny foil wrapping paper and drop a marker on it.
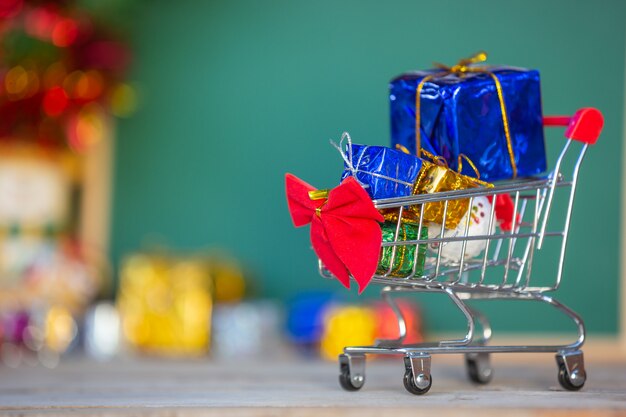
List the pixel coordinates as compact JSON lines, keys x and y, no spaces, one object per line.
{"x":408,"y":216}
{"x":435,"y":178}
{"x":461,"y":114}
{"x":384,"y":172}
{"x":404,"y":258}
{"x":387,"y":173}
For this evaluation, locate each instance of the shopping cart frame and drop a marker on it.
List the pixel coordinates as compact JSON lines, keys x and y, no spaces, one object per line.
{"x":453,"y":279}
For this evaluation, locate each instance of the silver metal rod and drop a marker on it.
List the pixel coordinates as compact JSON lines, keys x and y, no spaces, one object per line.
{"x":484,"y":324}
{"x":417,"y":245}
{"x":568,"y":215}
{"x":496,"y":253}
{"x":527,"y":250}
{"x":470,"y":321}
{"x":441,"y":234}
{"x":469,"y":238}
{"x":465,"y":234}
{"x":402,"y":329}
{"x":392,"y":261}
{"x":478,"y":348}
{"x":531,"y":241}
{"x":491,"y":230}
{"x":511,"y":240}
{"x":553,"y":181}
{"x":515,"y":226}
{"x":466,"y":193}
{"x":405,"y":350}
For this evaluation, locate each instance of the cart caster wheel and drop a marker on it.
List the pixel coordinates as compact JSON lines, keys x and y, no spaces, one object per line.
{"x":411,"y":386}
{"x":421,"y":384}
{"x":567,"y":382}
{"x":479,"y":369}
{"x":351,"y":372}
{"x":346,"y":382}
{"x":572,"y":375}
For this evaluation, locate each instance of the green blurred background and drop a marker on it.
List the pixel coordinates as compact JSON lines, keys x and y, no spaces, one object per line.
{"x":236,"y":93}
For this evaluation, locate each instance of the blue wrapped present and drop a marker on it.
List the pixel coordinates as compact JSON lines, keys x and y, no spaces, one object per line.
{"x":461,"y":113}
{"x":382,"y":171}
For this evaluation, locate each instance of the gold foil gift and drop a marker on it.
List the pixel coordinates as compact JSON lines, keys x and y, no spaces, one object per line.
{"x":436,"y":177}
{"x":409,"y":217}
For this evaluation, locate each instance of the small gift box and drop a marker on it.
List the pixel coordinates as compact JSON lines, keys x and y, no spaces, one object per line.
{"x":436,"y":178}
{"x":383,"y":172}
{"x":490,"y":114}
{"x":402,"y":261}
{"x":387,"y":173}
{"x":152,"y":288}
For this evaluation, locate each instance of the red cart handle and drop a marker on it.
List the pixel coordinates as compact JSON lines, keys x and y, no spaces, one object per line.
{"x":585,"y":125}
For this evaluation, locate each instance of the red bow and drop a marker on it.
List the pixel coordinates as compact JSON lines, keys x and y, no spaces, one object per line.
{"x":345,"y":233}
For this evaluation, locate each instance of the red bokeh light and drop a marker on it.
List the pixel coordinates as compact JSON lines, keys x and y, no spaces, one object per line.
{"x":388,"y":323}
{"x":10,"y":8}
{"x":64,"y":33}
{"x":55,"y":101}
{"x":39,"y":22}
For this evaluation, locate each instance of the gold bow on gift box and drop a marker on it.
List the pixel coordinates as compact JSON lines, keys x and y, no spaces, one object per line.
{"x":465,"y":66}
{"x":436,"y":177}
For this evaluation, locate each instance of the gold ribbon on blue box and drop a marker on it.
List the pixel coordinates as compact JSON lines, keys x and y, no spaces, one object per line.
{"x":490,"y":114}
{"x":435,"y":177}
{"x":388,"y":173}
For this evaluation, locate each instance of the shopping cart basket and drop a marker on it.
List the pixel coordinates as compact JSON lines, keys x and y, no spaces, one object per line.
{"x":504,"y":271}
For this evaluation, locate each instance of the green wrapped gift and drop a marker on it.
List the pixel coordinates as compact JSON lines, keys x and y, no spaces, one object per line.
{"x":404,"y":254}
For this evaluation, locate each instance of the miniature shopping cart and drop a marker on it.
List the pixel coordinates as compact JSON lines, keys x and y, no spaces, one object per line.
{"x":503,"y":271}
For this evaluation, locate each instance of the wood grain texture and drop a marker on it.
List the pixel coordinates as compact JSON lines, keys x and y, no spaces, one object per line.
{"x":300,"y":388}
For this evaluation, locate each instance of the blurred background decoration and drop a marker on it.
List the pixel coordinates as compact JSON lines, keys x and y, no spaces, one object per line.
{"x":63,"y":69}
{"x":233,"y":95}
{"x":166,"y":304}
{"x":62,"y":66}
{"x":362,"y":325}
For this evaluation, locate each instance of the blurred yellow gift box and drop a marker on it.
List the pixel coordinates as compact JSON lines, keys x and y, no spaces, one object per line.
{"x":165,"y":304}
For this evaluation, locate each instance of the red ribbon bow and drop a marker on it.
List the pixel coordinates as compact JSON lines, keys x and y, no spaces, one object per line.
{"x":345,"y":233}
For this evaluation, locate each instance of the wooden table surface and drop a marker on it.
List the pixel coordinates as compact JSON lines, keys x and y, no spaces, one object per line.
{"x":254,"y":386}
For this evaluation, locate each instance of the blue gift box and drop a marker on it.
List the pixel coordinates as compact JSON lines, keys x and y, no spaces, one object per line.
{"x":461,"y":114}
{"x":383,"y":172}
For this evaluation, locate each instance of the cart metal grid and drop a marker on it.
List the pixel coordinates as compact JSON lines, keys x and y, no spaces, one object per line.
{"x":503,"y":271}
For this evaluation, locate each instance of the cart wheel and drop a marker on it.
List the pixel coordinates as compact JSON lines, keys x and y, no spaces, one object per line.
{"x":572,"y":375}
{"x":567,"y":382}
{"x":424,"y":380}
{"x":409,"y":383}
{"x":346,"y":379}
{"x":479,"y":369}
